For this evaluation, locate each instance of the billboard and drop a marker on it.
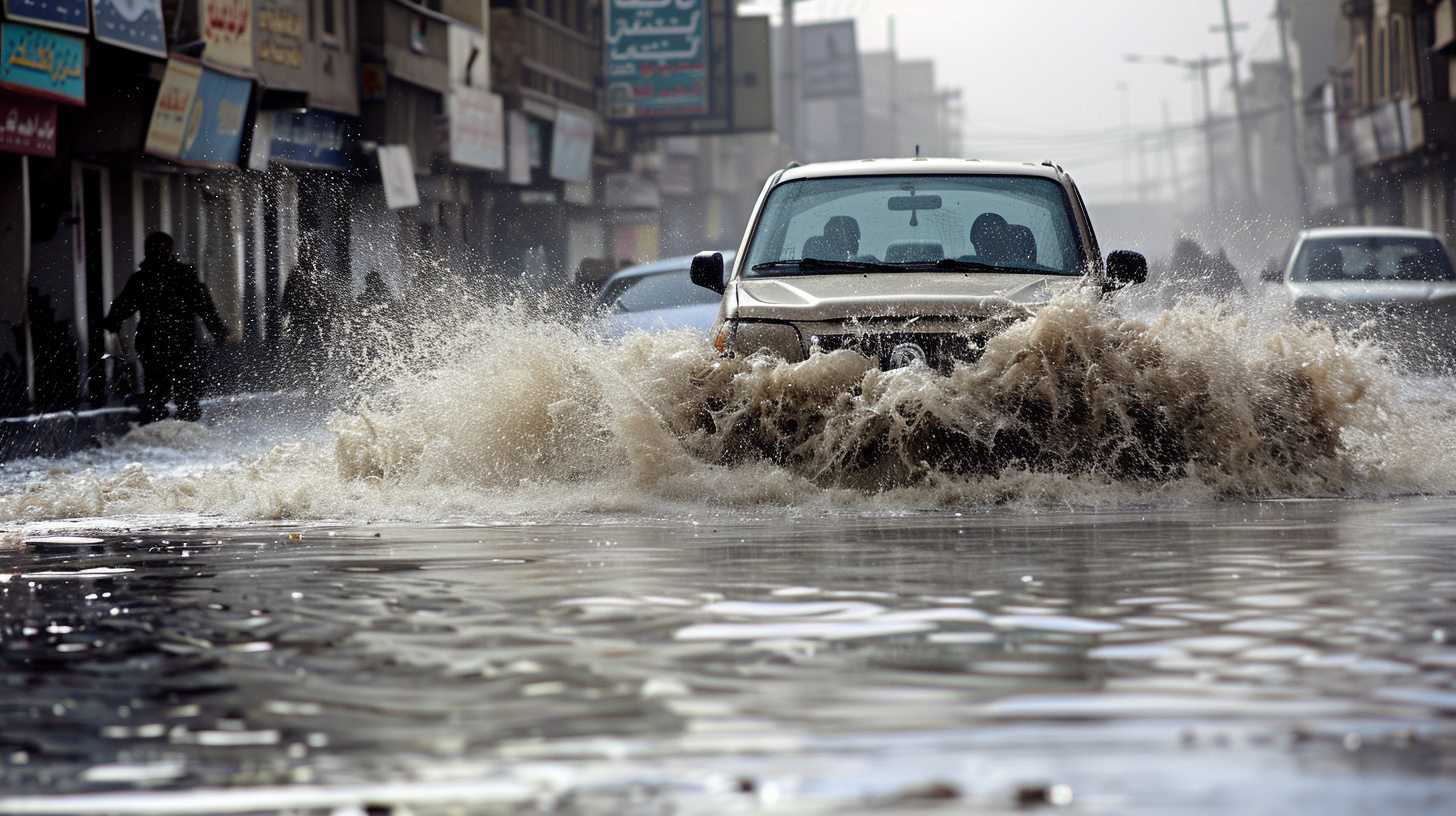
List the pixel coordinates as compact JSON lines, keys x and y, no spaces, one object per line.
{"x":68,"y":14}
{"x":657,"y":59}
{"x":174,"y":103}
{"x":134,"y":24}
{"x":27,"y":126}
{"x":214,"y":134}
{"x":571,"y":146}
{"x":40,"y":62}
{"x":828,"y":60}
{"x":477,"y":128}
{"x":227,"y":30}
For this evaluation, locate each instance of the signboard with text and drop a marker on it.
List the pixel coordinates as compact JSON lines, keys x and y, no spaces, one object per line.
{"x":315,"y":138}
{"x":657,"y":57}
{"x":227,"y":31}
{"x":397,"y":172}
{"x":280,"y":42}
{"x":71,"y":15}
{"x":477,"y":128}
{"x":214,"y":135}
{"x":174,"y":103}
{"x":27,"y":126}
{"x":43,"y":63}
{"x":571,"y":146}
{"x":134,"y":24}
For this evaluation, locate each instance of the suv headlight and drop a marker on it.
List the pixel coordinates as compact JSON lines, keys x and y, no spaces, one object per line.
{"x":780,"y":339}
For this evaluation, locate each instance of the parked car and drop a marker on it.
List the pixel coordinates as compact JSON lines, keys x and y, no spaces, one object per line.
{"x":905,"y":260}
{"x":1395,"y":285}
{"x":657,"y":296}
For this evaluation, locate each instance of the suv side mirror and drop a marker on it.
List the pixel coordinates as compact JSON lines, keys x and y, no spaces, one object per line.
{"x":1126,"y":268}
{"x":707,"y":271}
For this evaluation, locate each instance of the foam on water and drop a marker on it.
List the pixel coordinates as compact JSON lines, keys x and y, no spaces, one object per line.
{"x":502,"y":410}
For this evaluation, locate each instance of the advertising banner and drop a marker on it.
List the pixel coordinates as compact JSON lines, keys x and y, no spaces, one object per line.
{"x":520,"y":148}
{"x":312,"y":139}
{"x":657,"y":57}
{"x":227,"y":31}
{"x":134,"y":24}
{"x":571,"y":146}
{"x":214,"y":134}
{"x":68,"y":14}
{"x":477,"y":128}
{"x":27,"y":126}
{"x":828,"y":60}
{"x":280,"y":40}
{"x":174,"y":103}
{"x":43,"y":63}
{"x":397,"y":171}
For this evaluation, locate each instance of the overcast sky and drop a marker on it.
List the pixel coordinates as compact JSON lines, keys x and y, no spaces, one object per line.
{"x":1041,"y":77}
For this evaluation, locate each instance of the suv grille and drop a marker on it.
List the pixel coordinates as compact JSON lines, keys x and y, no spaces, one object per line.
{"x":942,"y":349}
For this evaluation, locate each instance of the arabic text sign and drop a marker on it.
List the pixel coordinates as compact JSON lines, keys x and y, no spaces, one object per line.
{"x":174,"y":104}
{"x":134,"y":24}
{"x":312,"y":139}
{"x":477,"y":129}
{"x":67,"y":14}
{"x":227,"y":29}
{"x":214,"y":134}
{"x":27,"y":126}
{"x":657,"y":58}
{"x":571,"y":146}
{"x":43,"y":63}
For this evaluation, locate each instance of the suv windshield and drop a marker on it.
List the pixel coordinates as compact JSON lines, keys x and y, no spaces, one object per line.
{"x":1372,"y":258}
{"x":885,"y":223}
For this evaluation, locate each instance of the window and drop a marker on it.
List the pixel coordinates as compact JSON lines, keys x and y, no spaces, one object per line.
{"x":1012,"y":222}
{"x":663,"y":290}
{"x":1373,"y":258}
{"x":331,"y":20}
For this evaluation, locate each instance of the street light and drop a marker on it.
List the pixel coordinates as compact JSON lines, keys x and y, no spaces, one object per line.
{"x":1200,"y":66}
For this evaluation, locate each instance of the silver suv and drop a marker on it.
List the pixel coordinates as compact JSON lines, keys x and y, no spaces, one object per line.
{"x":904,"y":260}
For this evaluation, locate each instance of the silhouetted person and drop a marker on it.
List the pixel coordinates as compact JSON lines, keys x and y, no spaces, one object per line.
{"x":376,"y":295}
{"x":170,"y":299}
{"x":842,"y":233}
{"x":306,"y":305}
{"x":991,"y":235}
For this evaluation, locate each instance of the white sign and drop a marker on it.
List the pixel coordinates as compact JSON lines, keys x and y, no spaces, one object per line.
{"x":477,"y":128}
{"x":571,"y":146}
{"x":520,"y":148}
{"x":397,"y":170}
{"x":828,"y":60}
{"x":469,"y":56}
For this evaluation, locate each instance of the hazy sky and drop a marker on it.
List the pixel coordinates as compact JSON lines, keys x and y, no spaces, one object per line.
{"x":1040,"y":77}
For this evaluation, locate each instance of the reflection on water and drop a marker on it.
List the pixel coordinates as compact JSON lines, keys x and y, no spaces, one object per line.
{"x":1231,"y":657}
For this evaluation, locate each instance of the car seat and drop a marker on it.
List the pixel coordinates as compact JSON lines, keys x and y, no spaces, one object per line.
{"x":1022,"y":247}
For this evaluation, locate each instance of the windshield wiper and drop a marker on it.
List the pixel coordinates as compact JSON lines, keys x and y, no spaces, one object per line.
{"x":819,"y":264}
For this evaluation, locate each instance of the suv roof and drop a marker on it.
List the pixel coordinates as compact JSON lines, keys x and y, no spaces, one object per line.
{"x":925,"y":167}
{"x":1376,"y":232}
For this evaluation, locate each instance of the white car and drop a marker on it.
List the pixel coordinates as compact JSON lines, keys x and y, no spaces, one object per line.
{"x":1394,"y":284}
{"x":658,"y":296}
{"x":904,"y":260}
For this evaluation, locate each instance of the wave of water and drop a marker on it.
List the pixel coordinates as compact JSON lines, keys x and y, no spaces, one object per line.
{"x":501,"y":409}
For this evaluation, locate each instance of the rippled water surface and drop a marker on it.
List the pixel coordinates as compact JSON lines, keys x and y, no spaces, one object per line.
{"x":1242,"y":657}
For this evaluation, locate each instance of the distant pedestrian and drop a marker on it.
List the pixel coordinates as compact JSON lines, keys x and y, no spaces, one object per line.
{"x":306,"y":305}
{"x":376,"y":296}
{"x":170,"y":298}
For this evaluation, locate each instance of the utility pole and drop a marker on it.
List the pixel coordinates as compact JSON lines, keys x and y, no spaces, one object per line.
{"x":1172,"y":147}
{"x":1200,"y":67}
{"x":1122,"y":88}
{"x":1246,"y":150}
{"x":790,"y":74}
{"x":1296,"y":155}
{"x":894,"y":91}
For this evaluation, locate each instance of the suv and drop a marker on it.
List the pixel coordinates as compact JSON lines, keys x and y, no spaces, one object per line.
{"x":907,"y":261}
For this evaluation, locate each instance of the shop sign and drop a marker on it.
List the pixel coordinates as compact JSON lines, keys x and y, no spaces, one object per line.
{"x":314,"y":138}
{"x":133,"y":24}
{"x":281,"y":34}
{"x":828,"y":60}
{"x":174,"y":104}
{"x":68,"y":14}
{"x":214,"y":134}
{"x":397,"y":171}
{"x":519,"y":142}
{"x":227,"y":31}
{"x":27,"y":126}
{"x":571,"y":146}
{"x":657,"y":59}
{"x":477,"y":128}
{"x":43,"y":63}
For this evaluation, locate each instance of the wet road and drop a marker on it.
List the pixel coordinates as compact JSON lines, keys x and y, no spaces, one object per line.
{"x":1225,"y":657}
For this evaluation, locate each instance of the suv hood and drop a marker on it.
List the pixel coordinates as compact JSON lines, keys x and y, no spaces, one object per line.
{"x":849,"y":295}
{"x":1374,"y":291}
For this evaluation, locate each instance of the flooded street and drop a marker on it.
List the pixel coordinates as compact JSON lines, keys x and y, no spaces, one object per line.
{"x":1239,"y":657}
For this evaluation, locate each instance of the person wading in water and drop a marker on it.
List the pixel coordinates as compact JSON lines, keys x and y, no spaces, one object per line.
{"x":170,"y":299}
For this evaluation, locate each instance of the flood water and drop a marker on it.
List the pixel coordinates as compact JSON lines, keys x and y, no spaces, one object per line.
{"x":544,"y":575}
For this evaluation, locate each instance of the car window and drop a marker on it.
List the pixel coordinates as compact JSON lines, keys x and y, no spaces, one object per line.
{"x":1020,"y":222}
{"x":662,"y":290}
{"x":1373,"y":258}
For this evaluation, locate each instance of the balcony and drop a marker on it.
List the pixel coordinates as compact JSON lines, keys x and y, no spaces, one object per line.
{"x":557,"y":62}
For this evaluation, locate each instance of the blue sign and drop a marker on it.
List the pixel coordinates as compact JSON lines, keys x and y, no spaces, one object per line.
{"x":67,"y":14}
{"x":43,"y":63}
{"x":214,"y":134}
{"x":657,"y":59}
{"x":134,"y":24}
{"x":312,"y":139}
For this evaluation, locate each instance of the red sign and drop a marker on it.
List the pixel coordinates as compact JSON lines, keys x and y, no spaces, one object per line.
{"x":27,"y":126}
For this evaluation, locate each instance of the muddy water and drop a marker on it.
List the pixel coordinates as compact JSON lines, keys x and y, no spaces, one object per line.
{"x":1239,"y":657}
